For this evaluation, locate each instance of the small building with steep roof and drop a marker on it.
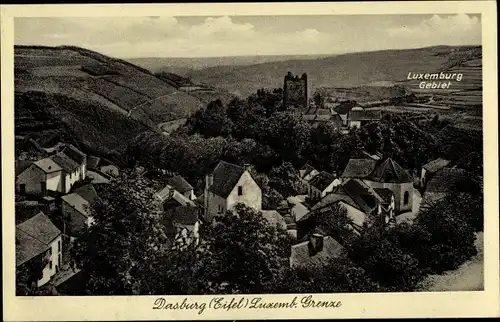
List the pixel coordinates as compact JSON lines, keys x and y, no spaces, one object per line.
{"x":38,"y":239}
{"x":228,"y":185}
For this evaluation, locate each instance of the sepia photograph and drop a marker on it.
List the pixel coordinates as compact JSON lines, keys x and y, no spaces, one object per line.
{"x":244,"y":154}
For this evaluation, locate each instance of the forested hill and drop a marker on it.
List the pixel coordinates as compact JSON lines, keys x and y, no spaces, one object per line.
{"x":104,"y":101}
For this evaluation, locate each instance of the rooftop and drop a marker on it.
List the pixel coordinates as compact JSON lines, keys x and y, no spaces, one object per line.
{"x":33,"y":237}
{"x":274,"y":218}
{"x":322,"y":180}
{"x":78,"y":203}
{"x":179,"y":183}
{"x":300,"y":255}
{"x":48,"y":165}
{"x":364,"y":115}
{"x":64,"y":161}
{"x":359,"y":168}
{"x":225,"y":177}
{"x":390,"y":171}
{"x":436,"y":165}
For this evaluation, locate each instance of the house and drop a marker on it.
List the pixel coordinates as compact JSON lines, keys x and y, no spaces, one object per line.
{"x":307,"y":172}
{"x":181,"y":185}
{"x":297,"y":208}
{"x":441,"y":184}
{"x":358,"y":118}
{"x":322,"y":184}
{"x":323,"y":115}
{"x":383,"y":174}
{"x":364,"y":206}
{"x":38,"y":239}
{"x":56,"y":173}
{"x":169,"y":198}
{"x":98,"y":177}
{"x":183,"y":224}
{"x":228,"y":185}
{"x":102,"y":165}
{"x":318,"y":250}
{"x":75,"y":209}
{"x":431,"y":168}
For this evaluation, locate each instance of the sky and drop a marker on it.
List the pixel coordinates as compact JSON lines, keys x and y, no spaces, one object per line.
{"x":216,"y":36}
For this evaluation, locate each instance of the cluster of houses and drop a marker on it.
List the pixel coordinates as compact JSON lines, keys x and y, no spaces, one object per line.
{"x":371,"y":189}
{"x":54,"y":182}
{"x":343,"y":115}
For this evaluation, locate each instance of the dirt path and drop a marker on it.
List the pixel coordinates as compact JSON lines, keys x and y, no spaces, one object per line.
{"x":468,"y":277}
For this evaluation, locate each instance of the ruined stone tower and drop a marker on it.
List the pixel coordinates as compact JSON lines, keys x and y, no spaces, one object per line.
{"x":295,"y":91}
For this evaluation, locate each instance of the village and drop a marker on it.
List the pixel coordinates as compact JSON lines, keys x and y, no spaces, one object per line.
{"x":56,"y":185}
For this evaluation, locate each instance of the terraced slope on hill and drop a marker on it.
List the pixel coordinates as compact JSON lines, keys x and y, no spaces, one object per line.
{"x":463,"y":94}
{"x":104,"y":100}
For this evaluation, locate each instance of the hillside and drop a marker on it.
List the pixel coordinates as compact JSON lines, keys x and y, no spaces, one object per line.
{"x":183,"y":65}
{"x":348,"y":70}
{"x":104,"y":100}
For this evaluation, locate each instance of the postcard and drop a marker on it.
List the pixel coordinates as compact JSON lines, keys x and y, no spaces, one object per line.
{"x":250,"y":161}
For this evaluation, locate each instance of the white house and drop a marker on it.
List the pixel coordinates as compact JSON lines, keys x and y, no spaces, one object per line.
{"x":75,"y":209}
{"x":228,"y":185}
{"x":38,"y":239}
{"x":56,"y":173}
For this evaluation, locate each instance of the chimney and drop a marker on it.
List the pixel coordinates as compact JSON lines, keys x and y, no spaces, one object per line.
{"x":334,"y":173}
{"x":246,"y":166}
{"x":209,"y":181}
{"x":315,"y":244}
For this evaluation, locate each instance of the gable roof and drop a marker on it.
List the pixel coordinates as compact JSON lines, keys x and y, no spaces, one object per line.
{"x":22,"y":165}
{"x":78,"y":203}
{"x":169,"y":193}
{"x":64,"y":161}
{"x":322,"y":180}
{"x":87,"y":192}
{"x":48,"y":165}
{"x":225,"y":177}
{"x":33,"y":237}
{"x":300,"y":210}
{"x":92,"y":162}
{"x":98,"y":177}
{"x":179,"y":183}
{"x":359,"y":168}
{"x":305,"y":170}
{"x":364,"y":115}
{"x":384,"y":193}
{"x":76,"y":155}
{"x":390,"y":171}
{"x":300,"y":253}
{"x":364,"y":196}
{"x":436,"y":165}
{"x":184,"y":215}
{"x":444,"y":180}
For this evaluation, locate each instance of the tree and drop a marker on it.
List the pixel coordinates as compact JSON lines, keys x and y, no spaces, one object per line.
{"x":117,"y":252}
{"x":284,"y":179}
{"x":336,"y":223}
{"x":385,"y":261}
{"x":242,"y":254}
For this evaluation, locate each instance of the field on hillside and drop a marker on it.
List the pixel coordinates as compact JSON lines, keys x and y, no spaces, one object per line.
{"x":78,"y":73}
{"x":104,"y":101}
{"x":346,"y":70}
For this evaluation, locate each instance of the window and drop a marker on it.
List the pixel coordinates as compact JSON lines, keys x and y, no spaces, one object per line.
{"x":43,"y":187}
{"x":406,"y":197}
{"x":50,"y":264}
{"x":22,"y":189}
{"x":240,"y":191}
{"x":59,"y":246}
{"x":59,"y":260}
